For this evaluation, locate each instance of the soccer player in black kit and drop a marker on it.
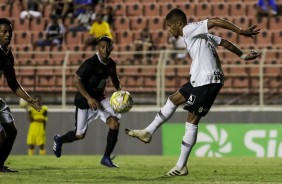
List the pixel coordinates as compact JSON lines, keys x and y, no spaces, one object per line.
{"x":91,"y":102}
{"x":8,"y":130}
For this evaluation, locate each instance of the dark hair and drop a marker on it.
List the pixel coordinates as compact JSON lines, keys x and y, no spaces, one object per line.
{"x":5,"y":21}
{"x":106,"y":39}
{"x":176,"y":14}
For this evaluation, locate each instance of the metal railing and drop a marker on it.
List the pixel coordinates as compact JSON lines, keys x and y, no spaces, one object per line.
{"x":160,"y":64}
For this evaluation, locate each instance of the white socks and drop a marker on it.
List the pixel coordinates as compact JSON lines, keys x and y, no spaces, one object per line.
{"x":164,"y":114}
{"x":188,"y":141}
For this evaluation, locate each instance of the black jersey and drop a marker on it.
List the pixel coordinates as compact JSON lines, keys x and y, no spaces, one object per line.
{"x":94,"y":74}
{"x":7,"y":65}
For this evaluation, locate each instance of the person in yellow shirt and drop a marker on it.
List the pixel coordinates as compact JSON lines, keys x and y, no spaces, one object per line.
{"x":98,"y":29}
{"x":37,"y":129}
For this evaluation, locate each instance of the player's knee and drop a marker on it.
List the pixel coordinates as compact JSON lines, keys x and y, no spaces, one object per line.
{"x":192,"y":118}
{"x":80,"y":136}
{"x":113,"y":123}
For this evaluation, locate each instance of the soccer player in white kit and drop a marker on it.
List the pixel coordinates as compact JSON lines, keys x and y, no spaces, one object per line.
{"x":206,"y":79}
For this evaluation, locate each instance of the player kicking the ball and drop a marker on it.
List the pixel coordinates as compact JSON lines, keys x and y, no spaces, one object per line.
{"x":206,"y":79}
{"x":90,"y":101}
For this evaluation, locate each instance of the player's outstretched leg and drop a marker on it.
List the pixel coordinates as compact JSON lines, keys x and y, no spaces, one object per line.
{"x":142,"y":135}
{"x":176,"y":171}
{"x":57,"y":146}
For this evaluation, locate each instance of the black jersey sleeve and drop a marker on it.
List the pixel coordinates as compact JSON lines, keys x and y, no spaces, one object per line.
{"x":84,"y":68}
{"x":10,"y":74}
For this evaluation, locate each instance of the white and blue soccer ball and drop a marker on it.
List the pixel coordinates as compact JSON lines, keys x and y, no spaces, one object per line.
{"x":121,"y":101}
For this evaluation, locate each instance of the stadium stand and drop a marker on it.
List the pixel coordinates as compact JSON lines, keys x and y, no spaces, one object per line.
{"x":131,"y":16}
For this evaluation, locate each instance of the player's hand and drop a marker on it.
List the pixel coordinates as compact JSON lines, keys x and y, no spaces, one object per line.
{"x":251,"y":55}
{"x":34,"y":103}
{"x":250,"y":32}
{"x":93,"y":104}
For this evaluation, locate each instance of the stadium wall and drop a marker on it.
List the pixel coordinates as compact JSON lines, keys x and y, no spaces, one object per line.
{"x":61,"y":121}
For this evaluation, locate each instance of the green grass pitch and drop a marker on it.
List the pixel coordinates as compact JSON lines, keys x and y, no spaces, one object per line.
{"x":140,"y":169}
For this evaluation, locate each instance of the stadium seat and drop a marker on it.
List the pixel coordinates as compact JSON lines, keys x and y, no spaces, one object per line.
{"x":151,"y":9}
{"x":134,"y":81}
{"x":47,"y":10}
{"x":189,"y":8}
{"x":46,"y":81}
{"x":121,"y":23}
{"x":155,"y":23}
{"x":22,"y":38}
{"x":27,"y":82}
{"x":20,"y":24}
{"x":5,"y":10}
{"x":264,"y":38}
{"x":73,"y":38}
{"x":220,"y":9}
{"x":165,"y":8}
{"x":16,"y":9}
{"x":150,"y":83}
{"x":160,"y":37}
{"x":43,"y":62}
{"x":241,"y":83}
{"x":123,"y":37}
{"x":237,"y":9}
{"x":36,"y":36}
{"x":231,"y":36}
{"x":120,"y":10}
{"x":137,"y":23}
{"x":38,"y":24}
{"x":241,"y":21}
{"x":250,"y":8}
{"x":134,"y":9}
{"x":203,"y":10}
{"x":275,"y":23}
{"x":277,"y":37}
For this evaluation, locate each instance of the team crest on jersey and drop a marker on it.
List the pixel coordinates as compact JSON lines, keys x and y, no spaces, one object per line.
{"x":191,"y":100}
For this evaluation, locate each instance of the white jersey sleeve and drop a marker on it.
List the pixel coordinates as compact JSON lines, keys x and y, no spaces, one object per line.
{"x":205,"y":67}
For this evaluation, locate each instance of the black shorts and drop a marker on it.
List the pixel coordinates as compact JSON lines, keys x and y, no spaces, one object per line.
{"x":199,"y":99}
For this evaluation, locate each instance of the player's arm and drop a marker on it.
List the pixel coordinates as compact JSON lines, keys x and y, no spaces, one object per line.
{"x":13,"y":84}
{"x":81,"y":89}
{"x":219,"y":22}
{"x":233,"y":48}
{"x":115,"y":80}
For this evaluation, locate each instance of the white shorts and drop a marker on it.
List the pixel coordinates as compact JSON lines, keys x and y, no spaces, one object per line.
{"x":85,"y":116}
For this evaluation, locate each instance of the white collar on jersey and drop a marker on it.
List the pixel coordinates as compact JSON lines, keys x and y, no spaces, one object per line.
{"x":6,"y":52}
{"x":101,"y":59}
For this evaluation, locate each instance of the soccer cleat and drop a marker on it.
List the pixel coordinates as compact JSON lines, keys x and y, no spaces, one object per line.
{"x":176,"y":171}
{"x":107,"y":161}
{"x":142,"y":135}
{"x":7,"y":169}
{"x":57,"y":146}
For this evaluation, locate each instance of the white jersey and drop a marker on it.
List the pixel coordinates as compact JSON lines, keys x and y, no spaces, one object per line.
{"x":205,"y":67}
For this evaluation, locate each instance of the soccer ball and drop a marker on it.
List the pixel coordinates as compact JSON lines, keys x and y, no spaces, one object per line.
{"x":121,"y":101}
{"x":23,"y":103}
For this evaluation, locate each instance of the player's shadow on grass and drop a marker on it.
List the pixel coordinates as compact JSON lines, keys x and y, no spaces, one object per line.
{"x":127,"y":178}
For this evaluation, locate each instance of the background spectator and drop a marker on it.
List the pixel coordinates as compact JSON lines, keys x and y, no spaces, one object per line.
{"x":98,"y":29}
{"x":54,"y":33}
{"x":267,"y":8}
{"x":62,"y":8}
{"x":143,"y":43}
{"x":31,"y":9}
{"x":80,"y":6}
{"x":85,"y":21}
{"x":36,"y":135}
{"x":178,"y":44}
{"x":109,"y":15}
